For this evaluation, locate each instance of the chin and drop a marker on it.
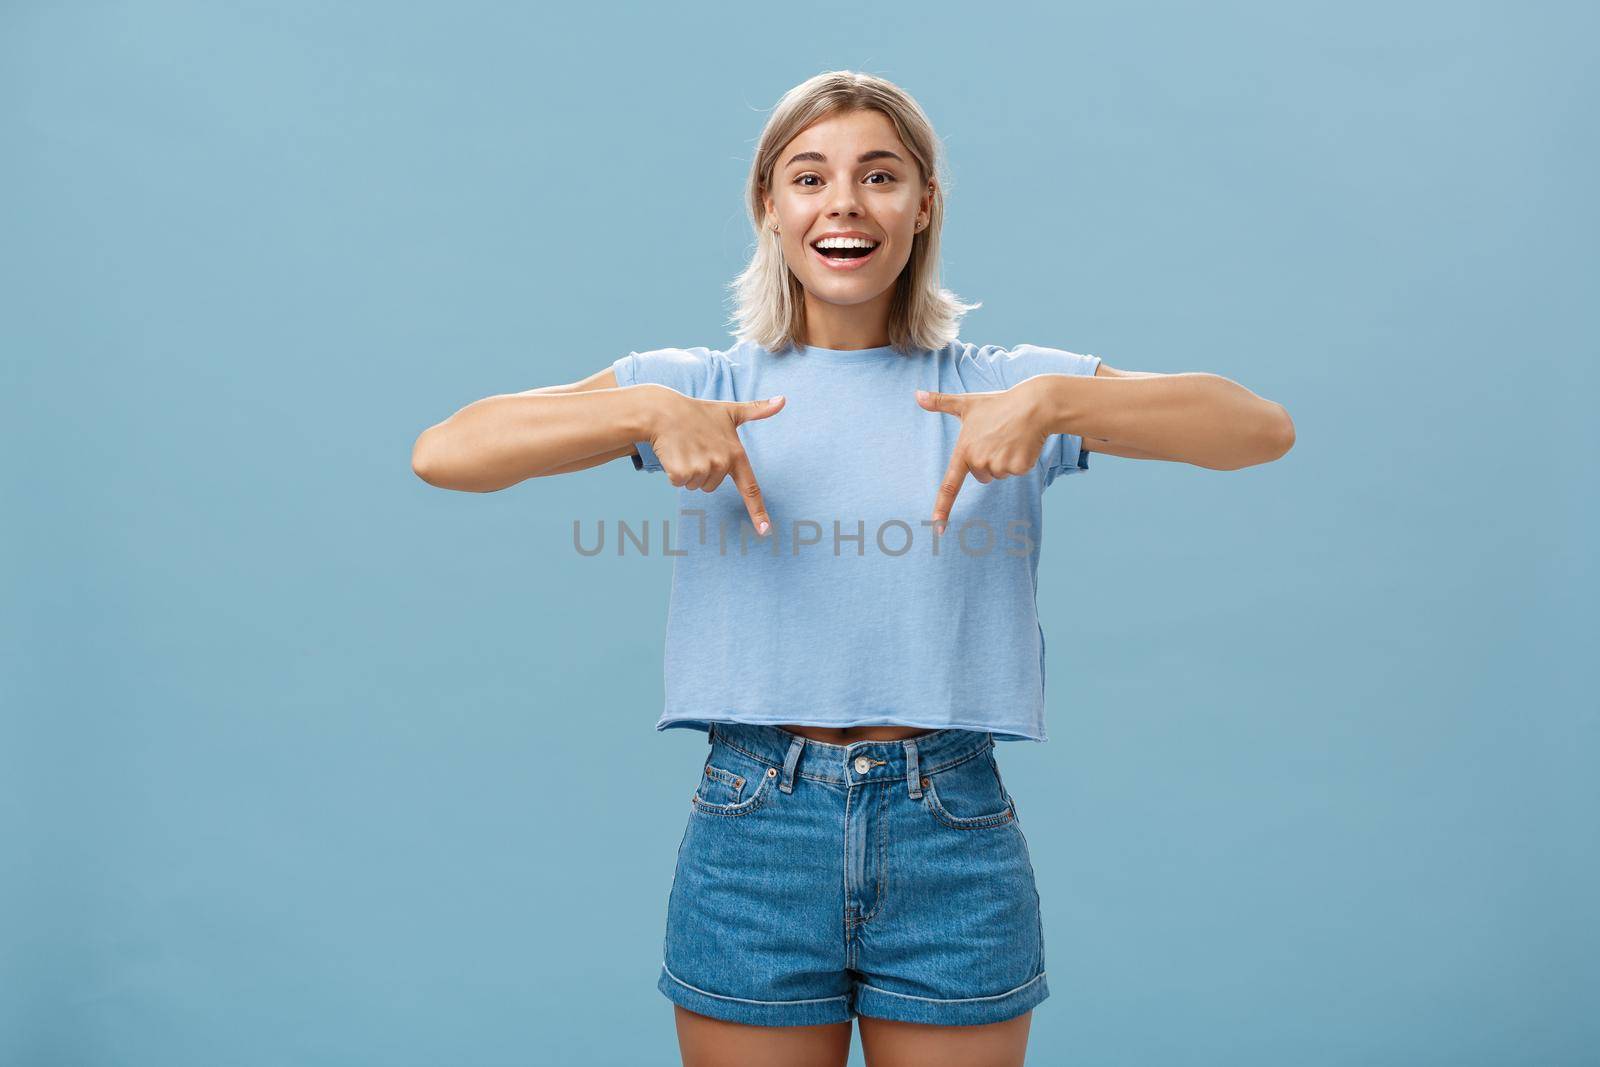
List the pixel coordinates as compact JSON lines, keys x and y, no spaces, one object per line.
{"x":846,"y":295}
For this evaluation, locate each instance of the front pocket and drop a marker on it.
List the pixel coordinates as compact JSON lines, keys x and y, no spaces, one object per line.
{"x":968,"y":795}
{"x":732,"y":783}
{"x":721,"y":786}
{"x":740,"y":807}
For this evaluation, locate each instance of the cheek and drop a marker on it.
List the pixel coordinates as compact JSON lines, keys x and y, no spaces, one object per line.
{"x":792,"y":222}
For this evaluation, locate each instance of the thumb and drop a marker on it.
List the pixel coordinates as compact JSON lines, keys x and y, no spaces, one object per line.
{"x":746,"y":410}
{"x":949,"y":403}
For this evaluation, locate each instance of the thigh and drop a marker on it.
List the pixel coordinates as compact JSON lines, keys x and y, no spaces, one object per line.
{"x":890,"y":1043}
{"x":707,"y":1042}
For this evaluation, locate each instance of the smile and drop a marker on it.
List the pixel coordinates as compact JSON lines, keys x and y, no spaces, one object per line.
{"x":841,"y":263}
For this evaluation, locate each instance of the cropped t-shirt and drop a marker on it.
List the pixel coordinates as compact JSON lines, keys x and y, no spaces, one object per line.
{"x":852,"y":610}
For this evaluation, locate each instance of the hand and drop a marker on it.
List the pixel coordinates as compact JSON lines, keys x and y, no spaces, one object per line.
{"x":697,"y":442}
{"x":1001,"y":437}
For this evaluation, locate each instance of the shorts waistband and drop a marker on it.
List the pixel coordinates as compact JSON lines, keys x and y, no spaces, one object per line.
{"x":859,"y":761}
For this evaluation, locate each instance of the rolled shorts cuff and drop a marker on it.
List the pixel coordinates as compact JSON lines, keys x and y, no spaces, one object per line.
{"x":815,"y":1012}
{"x":967,"y":1011}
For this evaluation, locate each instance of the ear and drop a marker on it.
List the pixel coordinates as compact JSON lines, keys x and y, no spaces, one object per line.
{"x":927,"y":199}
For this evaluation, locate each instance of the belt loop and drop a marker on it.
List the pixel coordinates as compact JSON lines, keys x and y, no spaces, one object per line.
{"x":913,"y":772}
{"x":789,"y":761}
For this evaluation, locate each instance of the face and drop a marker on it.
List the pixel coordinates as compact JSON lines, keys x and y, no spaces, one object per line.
{"x":848,"y":172}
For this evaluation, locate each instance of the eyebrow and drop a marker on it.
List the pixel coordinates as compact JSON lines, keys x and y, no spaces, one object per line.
{"x":865,"y":157}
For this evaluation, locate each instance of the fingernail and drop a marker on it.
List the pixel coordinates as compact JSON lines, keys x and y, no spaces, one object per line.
{"x":763,"y":526}
{"x":777,"y":399}
{"x":922,"y":394}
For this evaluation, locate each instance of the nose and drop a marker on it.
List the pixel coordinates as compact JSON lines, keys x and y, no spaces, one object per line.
{"x":844,"y":201}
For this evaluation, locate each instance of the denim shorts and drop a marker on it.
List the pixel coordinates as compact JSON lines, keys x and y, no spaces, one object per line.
{"x":817,"y":882}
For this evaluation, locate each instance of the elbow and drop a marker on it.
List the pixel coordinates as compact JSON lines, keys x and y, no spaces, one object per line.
{"x":425,"y":460}
{"x":1283,"y":438}
{"x":430,"y":461}
{"x":1271,"y":442}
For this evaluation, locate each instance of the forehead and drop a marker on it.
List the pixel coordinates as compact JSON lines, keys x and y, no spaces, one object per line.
{"x":847,"y":133}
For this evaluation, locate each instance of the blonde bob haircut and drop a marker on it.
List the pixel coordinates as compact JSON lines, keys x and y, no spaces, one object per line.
{"x":770,"y":299}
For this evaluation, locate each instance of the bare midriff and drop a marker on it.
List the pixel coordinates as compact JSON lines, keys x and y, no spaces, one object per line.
{"x":843,"y":735}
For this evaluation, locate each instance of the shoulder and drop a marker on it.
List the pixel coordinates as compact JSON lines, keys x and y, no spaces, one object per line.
{"x":1005,"y":366}
{"x":692,"y":371}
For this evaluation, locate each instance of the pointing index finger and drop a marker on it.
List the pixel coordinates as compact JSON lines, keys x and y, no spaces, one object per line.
{"x":745,"y":478}
{"x":954,"y":474}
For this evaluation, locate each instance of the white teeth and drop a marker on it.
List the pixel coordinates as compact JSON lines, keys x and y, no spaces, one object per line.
{"x":846,"y":242}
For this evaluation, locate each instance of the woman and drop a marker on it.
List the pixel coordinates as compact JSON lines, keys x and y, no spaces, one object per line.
{"x":853,"y":622}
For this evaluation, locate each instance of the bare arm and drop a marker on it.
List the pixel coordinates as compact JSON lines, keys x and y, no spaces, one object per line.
{"x":502,"y":440}
{"x":1101,"y":444}
{"x":1203,"y":419}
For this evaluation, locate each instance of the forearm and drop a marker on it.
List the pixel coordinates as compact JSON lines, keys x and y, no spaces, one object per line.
{"x":502,"y":440}
{"x":1199,"y":418}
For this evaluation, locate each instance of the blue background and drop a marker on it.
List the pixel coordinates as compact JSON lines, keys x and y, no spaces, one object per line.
{"x":305,"y":761}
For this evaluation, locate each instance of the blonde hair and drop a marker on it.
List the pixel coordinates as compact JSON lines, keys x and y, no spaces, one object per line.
{"x":770,"y":300}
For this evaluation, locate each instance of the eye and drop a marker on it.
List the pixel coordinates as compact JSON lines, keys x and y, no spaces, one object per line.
{"x":875,"y":174}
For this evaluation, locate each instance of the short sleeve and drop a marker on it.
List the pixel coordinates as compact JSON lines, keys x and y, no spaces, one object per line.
{"x":683,"y":370}
{"x":1063,"y":452}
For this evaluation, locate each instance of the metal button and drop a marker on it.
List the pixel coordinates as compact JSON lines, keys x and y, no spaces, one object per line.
{"x":924,"y":783}
{"x":863,"y":765}
{"x":772,"y":772}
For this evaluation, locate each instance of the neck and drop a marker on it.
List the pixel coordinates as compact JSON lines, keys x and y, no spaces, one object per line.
{"x":848,"y":326}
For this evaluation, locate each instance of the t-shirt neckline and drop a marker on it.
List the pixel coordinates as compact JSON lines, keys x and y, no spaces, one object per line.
{"x":847,"y":355}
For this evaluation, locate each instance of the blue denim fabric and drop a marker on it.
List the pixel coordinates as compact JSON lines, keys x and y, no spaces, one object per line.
{"x":817,"y":882}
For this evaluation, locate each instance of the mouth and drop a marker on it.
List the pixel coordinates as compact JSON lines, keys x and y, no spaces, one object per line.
{"x":845,"y":258}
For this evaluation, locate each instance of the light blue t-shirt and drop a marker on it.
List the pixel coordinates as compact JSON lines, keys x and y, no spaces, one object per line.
{"x":852,"y":611}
